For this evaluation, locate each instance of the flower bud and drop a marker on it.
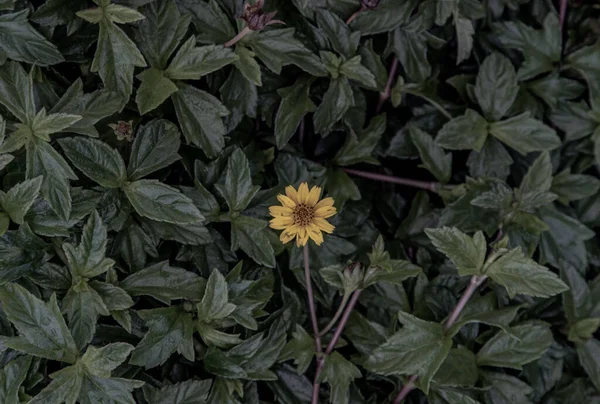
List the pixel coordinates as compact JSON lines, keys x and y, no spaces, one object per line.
{"x":254,"y":16}
{"x":369,"y":4}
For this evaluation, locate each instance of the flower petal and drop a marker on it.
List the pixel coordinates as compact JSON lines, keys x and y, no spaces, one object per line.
{"x":325,"y":212}
{"x":315,"y":234}
{"x":302,"y":192}
{"x":281,"y":222}
{"x":313,"y":196}
{"x":280,"y":211}
{"x":285,"y":201}
{"x":324,"y":202}
{"x":323,"y":225}
{"x":291,"y":193}
{"x":288,"y":234}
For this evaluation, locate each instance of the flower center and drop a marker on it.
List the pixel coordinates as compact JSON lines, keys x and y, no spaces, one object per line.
{"x":303,"y":215}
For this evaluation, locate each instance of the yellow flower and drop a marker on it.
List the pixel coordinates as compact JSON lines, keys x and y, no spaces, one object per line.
{"x":302,"y":215}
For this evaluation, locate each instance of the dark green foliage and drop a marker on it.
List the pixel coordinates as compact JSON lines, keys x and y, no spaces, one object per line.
{"x":142,"y":143}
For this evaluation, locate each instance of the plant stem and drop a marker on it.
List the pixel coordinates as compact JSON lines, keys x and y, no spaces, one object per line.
{"x":236,"y":38}
{"x":331,"y":345}
{"x":311,"y":301}
{"x":385,"y":94}
{"x":336,"y":316}
{"x":355,"y":14}
{"x":443,"y":110}
{"x":429,"y":186}
{"x":301,"y":131}
{"x":562,"y":13}
{"x":476,"y":281}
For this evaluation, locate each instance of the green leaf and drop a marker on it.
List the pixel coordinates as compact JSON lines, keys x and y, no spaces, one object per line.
{"x":191,"y":63}
{"x":82,"y":307}
{"x":573,"y":187}
{"x":301,"y":348}
{"x":247,"y":65}
{"x":44,"y":125}
{"x":88,"y":259}
{"x":434,"y":159}
{"x":386,"y":17}
{"x":483,"y":310}
{"x":409,"y":44}
{"x":115,"y":59}
{"x":493,"y":160}
{"x":574,"y":119}
{"x":419,"y":348}
{"x":43,"y":160}
{"x":585,"y":60}
{"x":159,"y":34}
{"x":505,"y":389}
{"x":102,"y":361}
{"x":170,"y":329}
{"x":64,"y":388}
{"x":42,"y":330}
{"x":538,"y":177}
{"x":401,"y":270}
{"x":113,"y":297}
{"x":516,"y":347}
{"x":342,"y":39}
{"x":160,"y":202}
{"x":215,"y":302}
{"x":22,"y":43}
{"x":249,"y":234}
{"x":295,"y":104}
{"x":525,"y":134}
{"x":541,"y":48}
{"x":155,"y":147}
{"x":466,"y":253}
{"x":188,"y":392}
{"x":199,"y":115}
{"x":96,"y":160}
{"x":565,"y":239}
{"x":21,"y":252}
{"x":212,"y":23}
{"x":108,"y":390}
{"x":91,"y":107}
{"x":583,"y":329}
{"x":577,"y":301}
{"x":278,"y":47}
{"x":522,"y":275}
{"x":459,"y":369}
{"x":554,"y":89}
{"x":588,"y":353}
{"x":354,"y":70}
{"x":239,"y":105}
{"x":154,"y":89}
{"x":12,"y":375}
{"x":339,"y":373}
{"x":336,"y":102}
{"x":464,"y":37}
{"x":237,"y":189}
{"x":17,"y":201}
{"x":466,"y":132}
{"x":16,"y":91}
{"x":164,"y":283}
{"x":213,"y":337}
{"x":496,"y":88}
{"x":372,"y":60}
{"x":359,"y":147}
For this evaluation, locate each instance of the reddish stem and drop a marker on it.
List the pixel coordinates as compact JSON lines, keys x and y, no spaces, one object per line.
{"x":429,"y":186}
{"x":476,"y":281}
{"x":236,"y":38}
{"x":336,"y":336}
{"x":385,"y":94}
{"x":562,"y":13}
{"x":355,"y":14}
{"x":311,"y":301}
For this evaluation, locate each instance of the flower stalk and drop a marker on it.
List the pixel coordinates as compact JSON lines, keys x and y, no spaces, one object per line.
{"x":387,"y":92}
{"x":429,"y":186}
{"x":256,"y":20}
{"x":336,"y":336}
{"x":474,"y":284}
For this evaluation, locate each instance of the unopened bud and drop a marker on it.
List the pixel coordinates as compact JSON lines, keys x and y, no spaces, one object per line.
{"x":369,"y":4}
